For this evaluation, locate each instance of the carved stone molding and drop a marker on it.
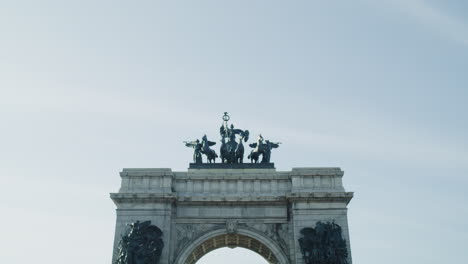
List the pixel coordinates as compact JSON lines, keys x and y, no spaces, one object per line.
{"x":231,"y":226}
{"x":278,"y":232}
{"x":187,"y":233}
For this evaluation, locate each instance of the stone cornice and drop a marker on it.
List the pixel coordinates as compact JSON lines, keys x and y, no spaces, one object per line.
{"x":321,"y":197}
{"x":344,"y":197}
{"x":142,"y":197}
{"x":232,"y":186}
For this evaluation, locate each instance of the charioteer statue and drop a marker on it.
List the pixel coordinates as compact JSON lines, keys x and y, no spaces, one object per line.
{"x":232,"y":147}
{"x":231,"y":151}
{"x":262,"y":147}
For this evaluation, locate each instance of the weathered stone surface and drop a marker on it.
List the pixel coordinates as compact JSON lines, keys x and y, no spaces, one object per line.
{"x":212,"y":205}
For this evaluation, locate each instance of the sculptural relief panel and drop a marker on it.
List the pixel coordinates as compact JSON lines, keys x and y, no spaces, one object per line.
{"x":186,"y":233}
{"x":277,"y":232}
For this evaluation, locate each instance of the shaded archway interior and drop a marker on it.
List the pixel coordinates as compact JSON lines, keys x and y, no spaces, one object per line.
{"x":232,"y":241}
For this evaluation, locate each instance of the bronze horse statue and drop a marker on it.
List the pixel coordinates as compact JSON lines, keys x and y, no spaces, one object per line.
{"x":255,"y":153}
{"x":205,"y":149}
{"x":231,"y":151}
{"x":261,"y":148}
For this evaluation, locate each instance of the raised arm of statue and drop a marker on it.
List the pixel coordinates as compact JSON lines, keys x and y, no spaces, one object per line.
{"x":191,"y":144}
{"x":274,"y":145}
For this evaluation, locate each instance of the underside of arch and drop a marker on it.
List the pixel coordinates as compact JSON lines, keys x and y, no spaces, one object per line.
{"x":232,"y":241}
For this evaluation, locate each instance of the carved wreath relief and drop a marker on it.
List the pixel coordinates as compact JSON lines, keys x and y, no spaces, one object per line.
{"x":143,"y":244}
{"x":323,"y":244}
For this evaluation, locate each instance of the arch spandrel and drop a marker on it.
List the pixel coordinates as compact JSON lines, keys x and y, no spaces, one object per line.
{"x":244,"y":238}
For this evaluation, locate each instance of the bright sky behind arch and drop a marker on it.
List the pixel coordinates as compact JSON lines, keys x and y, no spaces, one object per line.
{"x":378,"y":88}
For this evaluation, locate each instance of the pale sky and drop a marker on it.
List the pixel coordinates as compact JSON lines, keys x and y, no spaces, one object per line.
{"x":378,"y":88}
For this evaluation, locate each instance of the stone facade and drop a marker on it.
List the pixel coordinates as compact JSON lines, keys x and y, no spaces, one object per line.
{"x":260,"y":209}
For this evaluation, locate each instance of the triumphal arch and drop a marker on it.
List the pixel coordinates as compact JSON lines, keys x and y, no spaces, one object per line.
{"x":287,"y":217}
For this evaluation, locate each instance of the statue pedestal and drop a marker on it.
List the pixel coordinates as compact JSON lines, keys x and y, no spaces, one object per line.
{"x":212,"y":206}
{"x":231,"y":166}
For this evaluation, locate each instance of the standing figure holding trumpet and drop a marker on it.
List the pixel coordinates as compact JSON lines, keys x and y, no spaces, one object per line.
{"x":202,"y":147}
{"x":262,"y":147}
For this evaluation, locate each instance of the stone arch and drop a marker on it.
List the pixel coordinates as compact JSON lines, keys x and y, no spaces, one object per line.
{"x":244,"y":238}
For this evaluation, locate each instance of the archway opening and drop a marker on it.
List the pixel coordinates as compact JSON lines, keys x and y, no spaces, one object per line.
{"x":231,"y":241}
{"x":232,"y":256}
